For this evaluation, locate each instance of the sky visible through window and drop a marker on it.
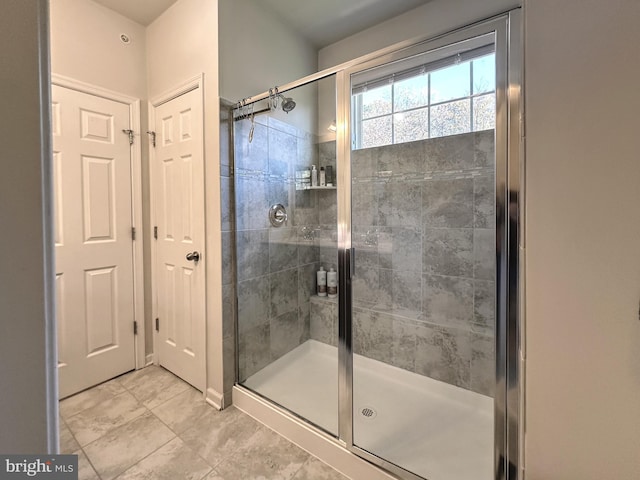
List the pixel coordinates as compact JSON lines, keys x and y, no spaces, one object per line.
{"x":456,"y":99}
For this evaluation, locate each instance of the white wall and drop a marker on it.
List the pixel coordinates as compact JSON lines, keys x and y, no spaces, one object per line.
{"x":583,"y":239}
{"x":28,"y":397}
{"x":86,"y":46}
{"x":183,"y":43}
{"x":259,"y":51}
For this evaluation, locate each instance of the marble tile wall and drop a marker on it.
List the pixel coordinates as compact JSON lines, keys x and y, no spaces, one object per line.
{"x":276,"y":266}
{"x":423,"y":228}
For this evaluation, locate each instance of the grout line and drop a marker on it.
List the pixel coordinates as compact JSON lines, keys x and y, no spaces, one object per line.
{"x":95,"y":470}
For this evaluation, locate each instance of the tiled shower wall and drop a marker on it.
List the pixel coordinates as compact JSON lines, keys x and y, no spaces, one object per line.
{"x":423,"y":229}
{"x":276,"y":266}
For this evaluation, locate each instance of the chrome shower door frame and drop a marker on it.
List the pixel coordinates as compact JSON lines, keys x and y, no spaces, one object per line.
{"x":506,"y":30}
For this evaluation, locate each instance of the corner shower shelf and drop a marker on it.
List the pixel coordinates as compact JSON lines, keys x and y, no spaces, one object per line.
{"x":318,"y":188}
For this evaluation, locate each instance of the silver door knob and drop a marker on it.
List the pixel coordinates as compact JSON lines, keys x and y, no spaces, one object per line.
{"x":193,"y":256}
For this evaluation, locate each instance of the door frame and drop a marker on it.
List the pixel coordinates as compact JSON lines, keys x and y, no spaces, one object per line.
{"x":193,"y":83}
{"x":136,"y":199}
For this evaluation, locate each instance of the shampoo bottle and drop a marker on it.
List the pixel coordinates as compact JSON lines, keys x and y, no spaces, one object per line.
{"x":323,"y":178}
{"x":314,"y":176}
{"x":322,"y":282}
{"x":332,"y":283}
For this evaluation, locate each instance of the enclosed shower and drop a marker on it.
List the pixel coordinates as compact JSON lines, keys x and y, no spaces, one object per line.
{"x":407,"y":366}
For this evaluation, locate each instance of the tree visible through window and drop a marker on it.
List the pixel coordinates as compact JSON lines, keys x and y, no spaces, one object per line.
{"x":457,"y":98}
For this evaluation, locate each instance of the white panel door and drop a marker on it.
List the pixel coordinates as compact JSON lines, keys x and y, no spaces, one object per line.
{"x":94,"y":251}
{"x":179,"y":207}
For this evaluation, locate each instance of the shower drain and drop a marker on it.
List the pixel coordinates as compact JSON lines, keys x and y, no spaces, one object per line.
{"x":368,"y":413}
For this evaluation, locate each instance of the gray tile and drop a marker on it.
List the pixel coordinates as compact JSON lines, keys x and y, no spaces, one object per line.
{"x":153,"y":385}
{"x":123,"y":447}
{"x":401,"y":249}
{"x":327,"y":207}
{"x":483,"y":377}
{"x":314,"y":469}
{"x":368,"y":241}
{"x":252,"y":249}
{"x":484,"y":254}
{"x":172,"y":461}
{"x":484,"y":198}
{"x":373,"y":334}
{"x":363,"y":164}
{"x":284,"y":292}
{"x":254,"y":352}
{"x":307,"y":282}
{"x":226,"y":202}
{"x":448,"y":251}
{"x":306,"y":152}
{"x":68,"y":443}
{"x":453,"y":152}
{"x":484,"y":307}
{"x":286,"y":333}
{"x":307,"y":245}
{"x":183,"y":410}
{"x":217,"y":435}
{"x":282,"y":152}
{"x":484,"y":149}
{"x":328,"y":243}
{"x":448,"y":203}
{"x":229,"y":365}
{"x":265,"y":455}
{"x":404,"y":344}
{"x":324,"y":320}
{"x":364,"y":203}
{"x":277,"y":124}
{"x":252,"y":155}
{"x":253,"y":303}
{"x":327,"y":154}
{"x":401,"y":158}
{"x":283,"y":248}
{"x":252,"y":202}
{"x":406,"y":291}
{"x":85,"y":469}
{"x":281,"y":191}
{"x":400,"y":203}
{"x":447,"y":300}
{"x":305,"y":211}
{"x":90,"y":398}
{"x":228,"y":310}
{"x":227,"y":258}
{"x":365,"y":285}
{"x":304,"y":315}
{"x":96,"y":421}
{"x":443,"y":354}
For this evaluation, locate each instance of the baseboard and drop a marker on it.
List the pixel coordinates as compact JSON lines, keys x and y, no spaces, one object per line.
{"x":214,"y":398}
{"x":314,"y":441}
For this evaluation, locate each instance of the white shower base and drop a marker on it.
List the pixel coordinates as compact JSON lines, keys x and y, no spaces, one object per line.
{"x":431,"y":428}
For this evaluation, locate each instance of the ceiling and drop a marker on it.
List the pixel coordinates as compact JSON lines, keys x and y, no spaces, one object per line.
{"x":322,"y":22}
{"x":141,"y":11}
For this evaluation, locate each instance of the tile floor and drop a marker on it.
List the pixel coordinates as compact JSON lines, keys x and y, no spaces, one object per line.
{"x":150,"y":425}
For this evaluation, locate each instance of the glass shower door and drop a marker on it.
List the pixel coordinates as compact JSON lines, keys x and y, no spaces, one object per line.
{"x":285,"y":227}
{"x":424,"y":277}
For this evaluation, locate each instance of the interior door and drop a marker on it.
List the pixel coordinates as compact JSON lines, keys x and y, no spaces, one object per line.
{"x":179,"y":205}
{"x":93,"y":239}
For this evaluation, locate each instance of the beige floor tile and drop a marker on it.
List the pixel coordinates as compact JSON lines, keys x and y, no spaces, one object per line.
{"x":91,"y":424}
{"x":85,"y":470}
{"x":173,"y":461}
{"x":68,"y":444}
{"x":219,"y":434}
{"x":266,"y":456}
{"x":125,"y":446}
{"x":184,"y":410}
{"x":314,"y":469}
{"x":90,"y":398}
{"x":153,"y":385}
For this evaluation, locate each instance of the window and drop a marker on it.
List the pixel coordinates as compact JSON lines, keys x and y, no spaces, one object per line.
{"x":447,"y":97}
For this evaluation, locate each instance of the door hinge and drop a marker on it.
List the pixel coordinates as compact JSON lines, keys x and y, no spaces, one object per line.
{"x":155,"y":232}
{"x":129,"y":132}
{"x":133,"y":233}
{"x":135,"y":327}
{"x":157,"y":324}
{"x":152,"y":136}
